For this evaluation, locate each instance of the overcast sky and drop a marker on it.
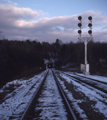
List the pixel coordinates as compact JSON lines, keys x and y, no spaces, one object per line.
{"x":47,"y":20}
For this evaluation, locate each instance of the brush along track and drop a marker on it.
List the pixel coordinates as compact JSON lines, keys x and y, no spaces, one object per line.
{"x":50,"y":102}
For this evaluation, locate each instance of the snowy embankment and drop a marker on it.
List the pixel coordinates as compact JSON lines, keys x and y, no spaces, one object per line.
{"x":15,"y":101}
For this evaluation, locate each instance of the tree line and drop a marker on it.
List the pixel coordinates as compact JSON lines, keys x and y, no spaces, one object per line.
{"x":17,"y":57}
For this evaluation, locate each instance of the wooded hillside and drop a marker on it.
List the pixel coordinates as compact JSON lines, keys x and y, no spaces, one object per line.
{"x":17,"y":57}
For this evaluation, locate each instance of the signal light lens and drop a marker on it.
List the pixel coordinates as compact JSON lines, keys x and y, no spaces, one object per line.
{"x":79,"y":24}
{"x":79,"y":18}
{"x":79,"y":31}
{"x":90,"y":18}
{"x":90,"y":31}
{"x":90,"y":24}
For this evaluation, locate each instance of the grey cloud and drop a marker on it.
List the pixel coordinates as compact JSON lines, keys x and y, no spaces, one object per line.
{"x":24,"y":23}
{"x":14,"y":12}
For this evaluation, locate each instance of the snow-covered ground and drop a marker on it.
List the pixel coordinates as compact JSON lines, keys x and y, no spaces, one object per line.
{"x":101,"y":84}
{"x":18,"y":93}
{"x":97,"y":102}
{"x":96,"y":77}
{"x":50,"y":102}
{"x":15,"y":101}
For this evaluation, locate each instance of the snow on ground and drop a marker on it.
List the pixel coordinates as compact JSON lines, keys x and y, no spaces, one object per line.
{"x":86,"y":79}
{"x":15,"y":102}
{"x":101,"y":102}
{"x":50,"y":102}
{"x":71,"y":98}
{"x":96,"y":77}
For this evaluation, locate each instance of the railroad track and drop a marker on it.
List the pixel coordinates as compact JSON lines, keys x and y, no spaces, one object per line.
{"x":49,"y":102}
{"x":102,"y":86}
{"x":91,"y":79}
{"x":83,"y":96}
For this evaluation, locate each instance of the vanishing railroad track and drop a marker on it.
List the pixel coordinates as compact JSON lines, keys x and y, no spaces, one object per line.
{"x":99,"y":85}
{"x":49,"y":102}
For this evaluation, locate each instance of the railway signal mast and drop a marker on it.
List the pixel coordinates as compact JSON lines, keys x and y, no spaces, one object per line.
{"x":85,"y":39}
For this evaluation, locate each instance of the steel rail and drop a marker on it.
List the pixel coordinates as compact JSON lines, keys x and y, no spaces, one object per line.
{"x":32,"y":99}
{"x":92,"y":85}
{"x":72,"y":115}
{"x":92,"y":79}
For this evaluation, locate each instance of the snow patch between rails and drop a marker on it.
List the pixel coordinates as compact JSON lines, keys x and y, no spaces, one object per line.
{"x":50,"y":102}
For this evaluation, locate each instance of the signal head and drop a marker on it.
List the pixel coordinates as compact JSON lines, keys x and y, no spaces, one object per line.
{"x":79,"y":18}
{"x":79,"y":24}
{"x":79,"y":31}
{"x":90,"y":18}
{"x":90,"y":31}
{"x":90,"y":24}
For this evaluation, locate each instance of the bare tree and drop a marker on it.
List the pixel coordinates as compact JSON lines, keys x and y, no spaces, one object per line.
{"x":1,"y":35}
